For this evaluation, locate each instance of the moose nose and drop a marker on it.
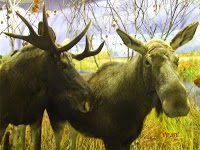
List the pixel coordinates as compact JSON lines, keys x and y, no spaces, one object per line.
{"x":176,"y":110}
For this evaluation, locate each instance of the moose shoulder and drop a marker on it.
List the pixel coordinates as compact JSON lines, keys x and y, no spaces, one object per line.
{"x":41,"y":76}
{"x":126,"y":92}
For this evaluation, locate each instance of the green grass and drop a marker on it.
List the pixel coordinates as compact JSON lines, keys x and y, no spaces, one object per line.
{"x":189,"y":66}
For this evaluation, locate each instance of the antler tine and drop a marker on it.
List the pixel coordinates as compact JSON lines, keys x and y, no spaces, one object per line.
{"x":26,"y":38}
{"x":47,"y":33}
{"x":87,"y":52}
{"x":43,"y":41}
{"x":75,"y":40}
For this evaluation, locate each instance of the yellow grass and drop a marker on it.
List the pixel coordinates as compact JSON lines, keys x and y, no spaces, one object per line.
{"x":159,"y":133}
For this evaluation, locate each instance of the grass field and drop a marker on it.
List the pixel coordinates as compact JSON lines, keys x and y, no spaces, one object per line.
{"x":159,"y":133}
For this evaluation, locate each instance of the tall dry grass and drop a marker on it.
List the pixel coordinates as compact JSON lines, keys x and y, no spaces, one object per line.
{"x":159,"y":133}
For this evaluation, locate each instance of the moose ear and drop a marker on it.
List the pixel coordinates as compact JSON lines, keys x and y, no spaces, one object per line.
{"x":132,"y":42}
{"x":184,"y":35}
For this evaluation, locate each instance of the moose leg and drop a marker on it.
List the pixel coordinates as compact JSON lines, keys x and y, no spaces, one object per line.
{"x":72,"y":136}
{"x":111,"y":144}
{"x":22,"y":134}
{"x":18,"y":132}
{"x":6,"y":144}
{"x":15,"y":135}
{"x":2,"y":131}
{"x":58,"y":128}
{"x":125,"y":147}
{"x":36,"y":135}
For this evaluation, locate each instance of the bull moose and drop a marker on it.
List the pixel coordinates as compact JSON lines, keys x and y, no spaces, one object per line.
{"x":126,"y":92}
{"x":41,"y":76}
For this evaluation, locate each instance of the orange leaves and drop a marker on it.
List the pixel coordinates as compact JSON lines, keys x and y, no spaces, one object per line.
{"x":36,"y":6}
{"x":114,"y":22}
{"x":113,"y":25}
{"x":197,"y":82}
{"x":37,"y":1}
{"x":24,"y":43}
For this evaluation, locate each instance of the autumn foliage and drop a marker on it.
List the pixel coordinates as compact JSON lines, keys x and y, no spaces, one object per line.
{"x":36,"y":6}
{"x":197,"y":82}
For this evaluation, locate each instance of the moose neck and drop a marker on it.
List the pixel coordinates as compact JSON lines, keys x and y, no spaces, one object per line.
{"x":133,"y":72}
{"x":136,"y":80}
{"x":125,"y":93}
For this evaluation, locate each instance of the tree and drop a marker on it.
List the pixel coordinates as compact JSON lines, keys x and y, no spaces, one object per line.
{"x":142,"y":18}
{"x":155,"y":18}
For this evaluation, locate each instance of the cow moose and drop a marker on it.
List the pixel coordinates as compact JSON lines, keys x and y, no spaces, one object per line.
{"x":126,"y":92}
{"x":41,"y":76}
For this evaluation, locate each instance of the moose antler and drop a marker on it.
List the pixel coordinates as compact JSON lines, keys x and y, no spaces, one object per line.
{"x":44,"y":41}
{"x":87,"y":52}
{"x":51,"y":31}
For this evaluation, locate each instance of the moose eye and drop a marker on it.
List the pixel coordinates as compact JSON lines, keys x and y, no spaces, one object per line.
{"x":63,"y":65}
{"x":176,"y":60}
{"x":176,"y":63}
{"x":147,"y":63}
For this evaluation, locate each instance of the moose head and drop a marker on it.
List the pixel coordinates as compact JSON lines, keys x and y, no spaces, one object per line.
{"x":160,"y":63}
